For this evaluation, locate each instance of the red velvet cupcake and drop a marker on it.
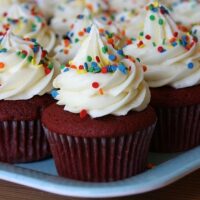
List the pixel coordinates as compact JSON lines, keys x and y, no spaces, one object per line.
{"x":173,"y":72}
{"x":25,"y":77}
{"x":101,"y":127}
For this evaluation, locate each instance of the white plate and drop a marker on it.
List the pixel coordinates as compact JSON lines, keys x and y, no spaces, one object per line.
{"x":43,"y":176}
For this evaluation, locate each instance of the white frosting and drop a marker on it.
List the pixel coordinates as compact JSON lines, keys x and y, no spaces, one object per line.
{"x":25,"y":24}
{"x":186,"y":12}
{"x":48,"y":6}
{"x":118,"y":92}
{"x":124,"y":5}
{"x":64,"y":53}
{"x":168,"y":61}
{"x":131,"y":22}
{"x":20,"y":78}
{"x":66,"y":12}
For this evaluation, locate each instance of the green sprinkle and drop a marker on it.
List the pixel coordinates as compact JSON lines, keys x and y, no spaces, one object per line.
{"x":89,"y":58}
{"x":154,"y":44}
{"x":152,"y":17}
{"x":105,"y":49}
{"x":62,"y":67}
{"x":138,"y":59}
{"x":30,"y":58}
{"x":76,"y":40}
{"x":161,"y":21}
{"x":23,"y":55}
{"x":91,"y":69}
{"x":50,"y":66}
{"x":18,"y":53}
{"x":141,"y":33}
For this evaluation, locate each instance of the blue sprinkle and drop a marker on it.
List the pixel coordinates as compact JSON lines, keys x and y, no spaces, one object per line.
{"x":94,"y":64}
{"x":112,"y":57}
{"x":66,"y":69}
{"x":88,"y":29}
{"x":120,"y":52}
{"x":122,"y":19}
{"x":190,"y":65}
{"x":174,"y":44}
{"x":80,"y":16}
{"x":113,"y":67}
{"x":122,"y":68}
{"x":86,"y":66}
{"x":54,"y":93}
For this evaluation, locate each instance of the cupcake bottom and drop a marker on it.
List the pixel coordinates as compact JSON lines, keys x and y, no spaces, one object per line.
{"x":178,"y":126}
{"x":22,"y":137}
{"x":101,"y":153}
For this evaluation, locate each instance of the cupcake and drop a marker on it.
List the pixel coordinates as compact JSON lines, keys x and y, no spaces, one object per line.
{"x":25,"y":20}
{"x":102,"y":115}
{"x":186,"y":12}
{"x":171,"y":61}
{"x":68,"y":47}
{"x":25,"y":79}
{"x":66,"y":12}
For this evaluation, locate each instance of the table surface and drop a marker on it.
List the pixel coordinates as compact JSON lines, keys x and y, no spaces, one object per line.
{"x":186,"y":189}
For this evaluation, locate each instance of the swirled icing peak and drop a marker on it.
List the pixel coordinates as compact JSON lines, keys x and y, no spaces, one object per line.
{"x":25,"y":69}
{"x":172,"y":56}
{"x":100,"y":81}
{"x":25,"y":20}
{"x":67,"y":49}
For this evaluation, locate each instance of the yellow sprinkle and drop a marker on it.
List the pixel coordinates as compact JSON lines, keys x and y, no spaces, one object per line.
{"x":81,"y":71}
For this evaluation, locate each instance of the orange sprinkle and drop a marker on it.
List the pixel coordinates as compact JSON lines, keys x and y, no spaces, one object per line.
{"x":150,"y":166}
{"x":101,"y":30}
{"x":128,"y":41}
{"x":144,"y":68}
{"x":2,"y":65}
{"x":66,"y":42}
{"x":89,"y":6}
{"x":110,"y":41}
{"x":73,"y":67}
{"x":66,"y":51}
{"x":81,"y":33}
{"x":101,"y":92}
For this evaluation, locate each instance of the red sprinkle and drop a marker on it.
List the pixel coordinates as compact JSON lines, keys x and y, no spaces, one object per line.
{"x":95,"y":85}
{"x":160,"y":49}
{"x":47,"y":70}
{"x":83,"y":114}
{"x":81,"y":67}
{"x":148,"y":37}
{"x":98,"y":59}
{"x":175,"y":34}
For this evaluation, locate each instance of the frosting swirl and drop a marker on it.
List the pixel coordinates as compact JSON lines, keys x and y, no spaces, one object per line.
{"x":66,"y":12}
{"x":25,"y":70}
{"x":186,"y":12}
{"x":100,"y":81}
{"x":67,"y":49}
{"x":172,"y":57}
{"x":26,"y":21}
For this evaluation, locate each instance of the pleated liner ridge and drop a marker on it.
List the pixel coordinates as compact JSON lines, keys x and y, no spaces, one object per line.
{"x":100,"y":159}
{"x":22,"y":141}
{"x":178,"y":129}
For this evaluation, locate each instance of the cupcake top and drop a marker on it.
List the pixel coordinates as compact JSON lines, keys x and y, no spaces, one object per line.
{"x":131,"y":22}
{"x":99,"y":81}
{"x":48,"y":7}
{"x":68,"y":47}
{"x":25,"y":70}
{"x":26,"y":21}
{"x":172,"y":57}
{"x":66,"y":12}
{"x":124,"y":5}
{"x":186,"y":12}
